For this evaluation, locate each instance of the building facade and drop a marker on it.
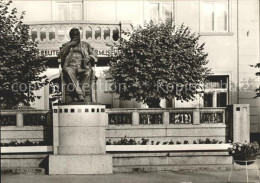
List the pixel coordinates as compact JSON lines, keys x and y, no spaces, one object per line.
{"x":230,"y":29}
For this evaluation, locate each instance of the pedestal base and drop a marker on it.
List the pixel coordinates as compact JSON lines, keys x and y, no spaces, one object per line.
{"x":79,"y":140}
{"x":80,"y":164}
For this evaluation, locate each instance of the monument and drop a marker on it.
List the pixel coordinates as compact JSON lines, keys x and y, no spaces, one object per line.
{"x":79,"y":123}
{"x":77,"y":59}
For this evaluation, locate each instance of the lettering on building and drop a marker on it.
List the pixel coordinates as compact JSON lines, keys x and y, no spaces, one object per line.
{"x":100,"y":53}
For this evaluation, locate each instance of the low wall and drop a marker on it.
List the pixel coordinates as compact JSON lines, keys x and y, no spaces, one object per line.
{"x":21,"y":134}
{"x":33,"y":163}
{"x":168,"y":133}
{"x":139,"y":158}
{"x":179,"y":124}
{"x":126,"y":162}
{"x":135,"y":158}
{"x":154,"y":124}
{"x":172,"y":161}
{"x":22,"y":125}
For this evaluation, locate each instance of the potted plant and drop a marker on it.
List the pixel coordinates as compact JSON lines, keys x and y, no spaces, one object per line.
{"x":244,"y":152}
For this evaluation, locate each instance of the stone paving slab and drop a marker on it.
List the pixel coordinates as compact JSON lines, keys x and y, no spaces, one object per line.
{"x":239,"y":176}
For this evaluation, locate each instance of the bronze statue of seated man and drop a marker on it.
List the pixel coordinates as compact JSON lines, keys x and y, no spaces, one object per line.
{"x":77,"y":60}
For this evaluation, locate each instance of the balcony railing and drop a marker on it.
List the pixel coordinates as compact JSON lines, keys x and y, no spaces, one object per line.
{"x":166,"y":116}
{"x":58,"y":32}
{"x":21,"y":118}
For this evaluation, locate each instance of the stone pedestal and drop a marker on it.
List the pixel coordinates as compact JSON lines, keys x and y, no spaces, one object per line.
{"x":79,"y":140}
{"x":241,"y":123}
{"x":239,"y":117}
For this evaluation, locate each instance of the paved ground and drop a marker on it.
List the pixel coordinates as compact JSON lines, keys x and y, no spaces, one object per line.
{"x":158,"y":177}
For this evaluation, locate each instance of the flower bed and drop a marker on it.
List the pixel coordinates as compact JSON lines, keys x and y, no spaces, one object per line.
{"x":26,"y":147}
{"x":25,"y":143}
{"x":130,"y":145}
{"x":125,"y":141}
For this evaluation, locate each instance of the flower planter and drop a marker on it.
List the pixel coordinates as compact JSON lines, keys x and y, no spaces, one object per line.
{"x":244,"y":153}
{"x":161,"y":148}
{"x":125,"y":148}
{"x":26,"y":149}
{"x":244,"y":160}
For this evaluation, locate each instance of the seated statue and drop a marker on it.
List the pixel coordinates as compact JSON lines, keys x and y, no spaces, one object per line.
{"x":77,"y":60}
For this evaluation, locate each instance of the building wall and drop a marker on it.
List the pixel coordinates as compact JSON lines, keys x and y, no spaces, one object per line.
{"x":39,"y":10}
{"x":221,"y":47}
{"x":248,"y":52}
{"x":229,"y":53}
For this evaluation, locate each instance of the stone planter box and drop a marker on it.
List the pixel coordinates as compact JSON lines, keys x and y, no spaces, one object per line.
{"x":26,"y":149}
{"x":161,"y":148}
{"x":126,"y":148}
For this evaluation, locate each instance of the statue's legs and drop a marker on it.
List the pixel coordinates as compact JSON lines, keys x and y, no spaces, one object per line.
{"x":86,"y":84}
{"x":70,"y":76}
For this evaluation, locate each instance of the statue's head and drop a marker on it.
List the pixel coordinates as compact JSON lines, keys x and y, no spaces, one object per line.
{"x":75,"y":34}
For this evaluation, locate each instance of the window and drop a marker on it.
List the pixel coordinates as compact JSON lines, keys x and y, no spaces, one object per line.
{"x":161,"y":11}
{"x":68,"y":10}
{"x":216,"y":92}
{"x":214,"y":16}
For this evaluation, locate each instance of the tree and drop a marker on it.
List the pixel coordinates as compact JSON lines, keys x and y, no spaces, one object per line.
{"x":20,"y":63}
{"x":158,"y":61}
{"x":257,"y":90}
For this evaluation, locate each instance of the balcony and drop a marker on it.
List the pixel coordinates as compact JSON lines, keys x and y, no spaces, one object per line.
{"x":92,"y":32}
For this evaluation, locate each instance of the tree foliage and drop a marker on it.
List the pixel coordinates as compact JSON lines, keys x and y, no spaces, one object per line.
{"x":158,"y":61}
{"x":20,"y":63}
{"x":257,"y":90}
